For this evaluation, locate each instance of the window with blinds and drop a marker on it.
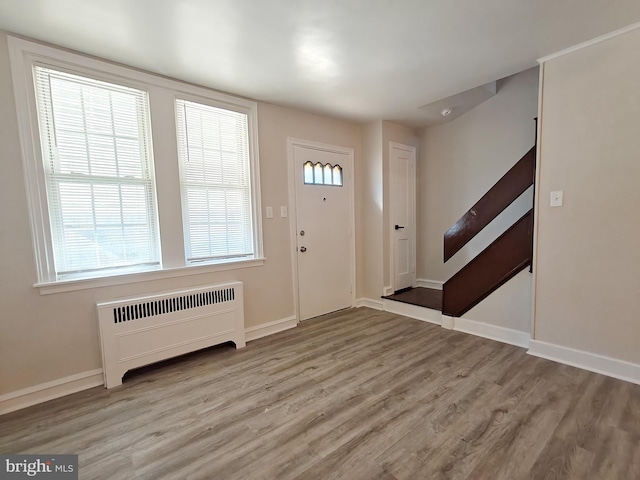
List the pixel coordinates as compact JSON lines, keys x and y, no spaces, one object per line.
{"x":213,"y":152}
{"x":101,"y":198}
{"x":97,"y":206}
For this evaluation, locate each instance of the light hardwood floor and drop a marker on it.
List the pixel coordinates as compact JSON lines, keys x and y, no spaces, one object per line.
{"x":358,"y":394}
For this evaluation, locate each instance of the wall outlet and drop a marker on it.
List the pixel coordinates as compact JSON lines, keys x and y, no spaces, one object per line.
{"x":557,"y":198}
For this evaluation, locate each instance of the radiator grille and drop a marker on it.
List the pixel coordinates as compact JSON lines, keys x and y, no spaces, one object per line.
{"x":126,"y":313}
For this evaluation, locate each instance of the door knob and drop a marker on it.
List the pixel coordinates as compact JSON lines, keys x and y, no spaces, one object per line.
{"x":398,"y":227}
{"x":303,"y":249}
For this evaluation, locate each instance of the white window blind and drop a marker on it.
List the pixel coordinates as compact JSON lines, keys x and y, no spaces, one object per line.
{"x":213,"y":151}
{"x":98,"y":169}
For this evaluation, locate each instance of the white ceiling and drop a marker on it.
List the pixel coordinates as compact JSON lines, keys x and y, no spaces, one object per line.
{"x":358,"y":59}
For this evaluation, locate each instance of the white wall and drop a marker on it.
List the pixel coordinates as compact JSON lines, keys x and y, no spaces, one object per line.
{"x":370,"y":227}
{"x":374,"y":180}
{"x":47,"y":337}
{"x":588,"y":251}
{"x":458,"y":162}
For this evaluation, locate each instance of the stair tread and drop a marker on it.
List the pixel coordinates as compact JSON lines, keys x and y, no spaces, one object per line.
{"x":420,"y":296}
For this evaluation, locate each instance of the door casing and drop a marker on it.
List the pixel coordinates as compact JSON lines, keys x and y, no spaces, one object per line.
{"x":412,"y":214}
{"x":293,"y":212}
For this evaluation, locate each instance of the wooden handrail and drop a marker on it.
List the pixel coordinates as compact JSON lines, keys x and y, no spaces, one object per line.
{"x":513,"y":184}
{"x":505,"y":257}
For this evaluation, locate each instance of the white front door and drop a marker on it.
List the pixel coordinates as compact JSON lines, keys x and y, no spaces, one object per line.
{"x":324,"y":234}
{"x":402,"y":169}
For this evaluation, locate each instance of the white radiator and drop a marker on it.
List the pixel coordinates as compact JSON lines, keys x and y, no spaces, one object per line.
{"x":139,"y":331}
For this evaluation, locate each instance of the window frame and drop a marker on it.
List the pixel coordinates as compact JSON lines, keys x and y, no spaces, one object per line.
{"x":253,"y":171}
{"x":153,"y":210}
{"x":24,"y":55}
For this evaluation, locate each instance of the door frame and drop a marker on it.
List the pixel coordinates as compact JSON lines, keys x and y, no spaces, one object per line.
{"x":293,"y":212}
{"x":412,"y":215}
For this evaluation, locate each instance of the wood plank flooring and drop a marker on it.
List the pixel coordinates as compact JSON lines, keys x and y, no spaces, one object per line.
{"x":358,"y":394}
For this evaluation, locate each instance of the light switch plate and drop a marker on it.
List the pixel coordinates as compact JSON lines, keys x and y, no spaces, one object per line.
{"x":557,"y":198}
{"x":283,"y":212}
{"x":269,"y":212}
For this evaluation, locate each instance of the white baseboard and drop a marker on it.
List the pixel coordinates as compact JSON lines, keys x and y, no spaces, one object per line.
{"x":447,"y":322}
{"x":492,"y":332}
{"x":399,"y":308}
{"x":370,"y":303}
{"x":10,"y":402}
{"x":611,"y":367}
{"x":426,"y":283}
{"x":269,"y":328}
{"x":413,"y":311}
{"x":465,"y":325}
{"x":386,"y":291}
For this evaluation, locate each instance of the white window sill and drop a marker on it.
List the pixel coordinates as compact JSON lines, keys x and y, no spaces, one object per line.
{"x":88,"y":283}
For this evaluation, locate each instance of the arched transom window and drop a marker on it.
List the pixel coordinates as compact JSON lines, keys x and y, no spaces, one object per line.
{"x":319,"y":174}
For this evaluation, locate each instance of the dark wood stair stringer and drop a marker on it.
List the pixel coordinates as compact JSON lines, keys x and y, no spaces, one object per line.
{"x":503,"y":259}
{"x":513,"y":184}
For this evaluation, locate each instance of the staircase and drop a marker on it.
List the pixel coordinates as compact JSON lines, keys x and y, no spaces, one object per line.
{"x":505,"y":257}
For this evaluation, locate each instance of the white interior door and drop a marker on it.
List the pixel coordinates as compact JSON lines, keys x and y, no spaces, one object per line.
{"x":323,"y":229}
{"x":402,"y":170}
